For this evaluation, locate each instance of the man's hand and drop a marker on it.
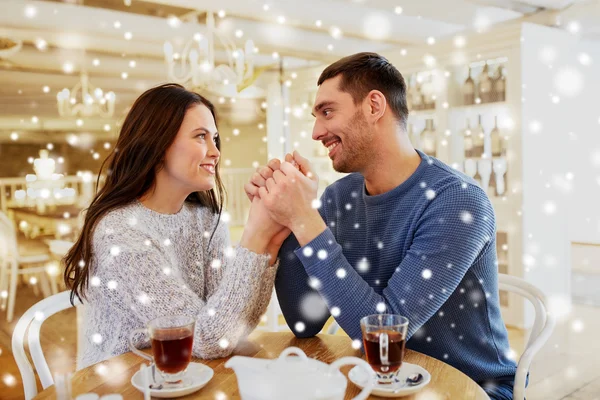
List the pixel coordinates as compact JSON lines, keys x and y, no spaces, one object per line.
{"x":259,"y":178}
{"x":289,"y":196}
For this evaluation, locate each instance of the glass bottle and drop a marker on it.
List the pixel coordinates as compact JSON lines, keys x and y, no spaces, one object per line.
{"x":468,"y":90}
{"x":492,"y":186}
{"x":428,"y":92}
{"x":478,"y":139}
{"x":428,"y":139}
{"x":496,"y":139}
{"x":415,"y":93}
{"x":468,"y":140}
{"x":500,"y":84}
{"x":485,"y":85}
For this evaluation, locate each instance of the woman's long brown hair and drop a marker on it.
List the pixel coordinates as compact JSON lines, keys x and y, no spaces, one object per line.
{"x":147,"y":132}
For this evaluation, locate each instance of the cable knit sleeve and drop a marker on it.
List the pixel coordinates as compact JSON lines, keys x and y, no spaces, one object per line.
{"x":214,"y":269}
{"x":145,"y":284}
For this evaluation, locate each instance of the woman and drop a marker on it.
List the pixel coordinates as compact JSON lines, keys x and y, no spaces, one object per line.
{"x":153,"y":243}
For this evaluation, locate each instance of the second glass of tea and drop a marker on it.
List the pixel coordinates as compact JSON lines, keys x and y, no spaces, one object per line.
{"x":384,"y":339}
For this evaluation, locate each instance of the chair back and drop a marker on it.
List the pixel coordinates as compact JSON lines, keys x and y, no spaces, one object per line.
{"x":33,"y":319}
{"x":543,"y":325}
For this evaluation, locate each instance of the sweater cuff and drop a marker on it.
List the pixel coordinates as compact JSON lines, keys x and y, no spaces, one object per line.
{"x":251,"y":258}
{"x":318,"y":250}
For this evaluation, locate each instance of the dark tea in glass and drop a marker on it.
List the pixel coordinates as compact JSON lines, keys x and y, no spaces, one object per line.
{"x":172,"y":340}
{"x":172,"y":349}
{"x":395,"y":351}
{"x":384,"y":340}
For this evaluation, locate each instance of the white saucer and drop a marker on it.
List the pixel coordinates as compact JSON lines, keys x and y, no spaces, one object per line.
{"x":358,"y":377}
{"x":198,"y":374}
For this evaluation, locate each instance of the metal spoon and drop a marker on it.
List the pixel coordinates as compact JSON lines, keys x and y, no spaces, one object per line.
{"x":414,"y":379}
{"x":411,"y":380}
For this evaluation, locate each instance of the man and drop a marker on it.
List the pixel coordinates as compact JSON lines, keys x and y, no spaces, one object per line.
{"x":403,"y":233}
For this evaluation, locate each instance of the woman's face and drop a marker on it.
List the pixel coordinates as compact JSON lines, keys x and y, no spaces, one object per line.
{"x":192,"y":158}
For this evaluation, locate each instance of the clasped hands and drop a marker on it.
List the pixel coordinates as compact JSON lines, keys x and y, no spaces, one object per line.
{"x":287,"y":192}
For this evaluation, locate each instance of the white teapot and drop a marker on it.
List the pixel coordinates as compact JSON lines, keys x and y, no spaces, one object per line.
{"x":295,"y":378}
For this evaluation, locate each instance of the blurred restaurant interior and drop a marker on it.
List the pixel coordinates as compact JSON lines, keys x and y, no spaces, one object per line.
{"x":504,"y":91}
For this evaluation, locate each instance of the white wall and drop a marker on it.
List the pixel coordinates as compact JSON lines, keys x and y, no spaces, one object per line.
{"x":584,"y":148}
{"x":559,"y":135}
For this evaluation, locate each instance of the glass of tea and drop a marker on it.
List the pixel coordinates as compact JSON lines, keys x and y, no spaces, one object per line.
{"x":172,"y":339}
{"x":384,"y":338}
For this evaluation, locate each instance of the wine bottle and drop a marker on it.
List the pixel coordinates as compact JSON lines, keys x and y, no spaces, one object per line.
{"x":428,"y":139}
{"x":485,"y":85}
{"x":468,"y":140}
{"x":428,"y":92}
{"x":468,"y":90}
{"x":496,"y":139}
{"x":415,"y":93}
{"x":500,"y":84}
{"x":478,"y":139}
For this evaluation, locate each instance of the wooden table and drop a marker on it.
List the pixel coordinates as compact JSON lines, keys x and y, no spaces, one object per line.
{"x":114,"y":375}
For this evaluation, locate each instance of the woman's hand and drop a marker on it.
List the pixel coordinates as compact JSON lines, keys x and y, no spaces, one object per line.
{"x":260,"y":229}
{"x":260,"y":226}
{"x":260,"y":176}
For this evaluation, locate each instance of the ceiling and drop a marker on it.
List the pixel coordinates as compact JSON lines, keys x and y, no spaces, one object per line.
{"x":303,"y":33}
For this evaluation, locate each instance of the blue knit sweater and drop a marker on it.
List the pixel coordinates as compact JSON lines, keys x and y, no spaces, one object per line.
{"x":425,"y":250}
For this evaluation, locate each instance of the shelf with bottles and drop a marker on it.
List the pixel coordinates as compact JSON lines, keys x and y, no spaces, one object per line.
{"x":478,"y":83}
{"x":480,"y":149}
{"x":490,"y":174}
{"x":423,"y":135}
{"x":421,"y":91}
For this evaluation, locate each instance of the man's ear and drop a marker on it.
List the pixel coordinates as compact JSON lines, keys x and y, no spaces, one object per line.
{"x":376,"y":105}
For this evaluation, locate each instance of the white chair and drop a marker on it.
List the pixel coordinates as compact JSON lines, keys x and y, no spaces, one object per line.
{"x":33,"y":319}
{"x":60,"y":248}
{"x":543,"y":326}
{"x":12,"y":254}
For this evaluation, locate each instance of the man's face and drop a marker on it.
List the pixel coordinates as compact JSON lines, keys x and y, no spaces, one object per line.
{"x":342,"y":127}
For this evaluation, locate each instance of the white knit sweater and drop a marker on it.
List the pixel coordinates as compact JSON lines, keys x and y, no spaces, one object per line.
{"x":147,"y":265}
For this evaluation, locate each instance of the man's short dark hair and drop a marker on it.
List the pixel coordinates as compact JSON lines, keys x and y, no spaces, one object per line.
{"x":363,"y":72}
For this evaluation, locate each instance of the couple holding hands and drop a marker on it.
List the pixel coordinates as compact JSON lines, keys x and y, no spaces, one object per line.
{"x":402,"y":233}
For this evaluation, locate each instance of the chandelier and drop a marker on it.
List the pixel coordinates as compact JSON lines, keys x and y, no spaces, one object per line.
{"x":45,"y":187}
{"x":85,"y":100}
{"x":197,"y":63}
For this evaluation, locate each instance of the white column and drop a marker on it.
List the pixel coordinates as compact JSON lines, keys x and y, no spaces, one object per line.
{"x":278,"y":129}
